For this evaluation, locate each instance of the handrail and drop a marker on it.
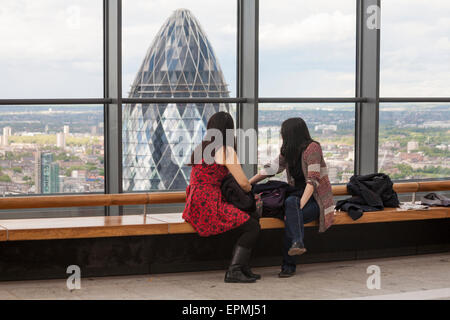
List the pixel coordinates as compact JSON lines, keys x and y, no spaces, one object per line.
{"x":91,"y":200}
{"x":122,"y":199}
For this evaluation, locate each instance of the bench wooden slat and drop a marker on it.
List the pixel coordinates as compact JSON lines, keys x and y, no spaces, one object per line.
{"x":82,"y":227}
{"x":386,"y":215}
{"x":175,"y":221}
{"x":391,"y":214}
{"x":171,"y":223}
{"x":3,"y":234}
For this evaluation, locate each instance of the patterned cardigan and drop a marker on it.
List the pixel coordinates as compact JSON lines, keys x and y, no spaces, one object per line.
{"x":316,"y":173}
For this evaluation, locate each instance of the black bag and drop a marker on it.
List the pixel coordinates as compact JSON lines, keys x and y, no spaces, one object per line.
{"x":234,"y":194}
{"x":273,"y":194}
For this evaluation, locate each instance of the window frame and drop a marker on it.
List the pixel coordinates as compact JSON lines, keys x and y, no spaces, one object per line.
{"x":366,"y":97}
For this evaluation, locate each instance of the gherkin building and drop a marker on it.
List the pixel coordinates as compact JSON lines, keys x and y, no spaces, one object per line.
{"x":159,"y":138}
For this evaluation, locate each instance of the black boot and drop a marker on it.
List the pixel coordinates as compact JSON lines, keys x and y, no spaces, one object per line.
{"x":248,"y":272}
{"x":237,"y":271}
{"x":246,"y":268}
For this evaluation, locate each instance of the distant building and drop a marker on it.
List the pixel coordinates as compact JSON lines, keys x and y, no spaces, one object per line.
{"x":6,"y":133}
{"x":436,"y":124}
{"x":346,"y":176}
{"x":47,"y":173}
{"x":325,"y":127}
{"x":81,"y":174}
{"x":332,"y":173}
{"x":66,"y":130}
{"x":158,"y":138}
{"x":61,"y":140}
{"x":404,"y":156}
{"x":412,"y":145}
{"x":37,"y":172}
{"x":391,"y":145}
{"x":350,"y":155}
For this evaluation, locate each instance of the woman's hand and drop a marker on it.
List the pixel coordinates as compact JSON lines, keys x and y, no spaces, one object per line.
{"x":306,"y":195}
{"x":257,"y":178}
{"x":246,"y":187}
{"x":302,"y":203}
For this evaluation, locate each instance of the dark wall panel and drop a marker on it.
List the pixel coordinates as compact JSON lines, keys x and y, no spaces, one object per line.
{"x":44,"y":259}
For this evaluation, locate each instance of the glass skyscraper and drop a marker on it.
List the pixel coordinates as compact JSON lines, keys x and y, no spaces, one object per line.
{"x":158,"y":138}
{"x":49,"y":174}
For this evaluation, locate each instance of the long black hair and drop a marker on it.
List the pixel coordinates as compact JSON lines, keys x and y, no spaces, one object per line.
{"x":296,"y":138}
{"x":221,"y":121}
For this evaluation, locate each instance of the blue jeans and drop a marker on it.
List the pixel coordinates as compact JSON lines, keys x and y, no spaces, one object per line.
{"x":295,"y":219}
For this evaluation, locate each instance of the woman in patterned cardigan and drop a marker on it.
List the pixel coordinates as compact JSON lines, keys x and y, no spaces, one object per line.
{"x":305,"y":167}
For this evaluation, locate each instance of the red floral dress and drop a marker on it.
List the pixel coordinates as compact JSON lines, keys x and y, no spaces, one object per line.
{"x":206,"y":209}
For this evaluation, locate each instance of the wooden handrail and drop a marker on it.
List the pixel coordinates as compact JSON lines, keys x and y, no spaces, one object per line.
{"x":122,"y":199}
{"x":91,"y":200}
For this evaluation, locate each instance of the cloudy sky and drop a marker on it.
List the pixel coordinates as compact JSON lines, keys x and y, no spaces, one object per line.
{"x":53,"y":48}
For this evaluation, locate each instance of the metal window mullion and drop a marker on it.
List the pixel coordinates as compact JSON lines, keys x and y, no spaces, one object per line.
{"x":248,"y":72}
{"x":367,"y":86}
{"x":312,"y":100}
{"x":414,"y":99}
{"x":32,"y":102}
{"x":183,"y":100}
{"x":113,"y":91}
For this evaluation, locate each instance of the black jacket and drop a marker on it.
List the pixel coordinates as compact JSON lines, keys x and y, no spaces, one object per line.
{"x":234,"y":194}
{"x":371,"y":192}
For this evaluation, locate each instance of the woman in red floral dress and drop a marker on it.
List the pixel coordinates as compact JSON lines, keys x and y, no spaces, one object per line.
{"x":207,"y":210}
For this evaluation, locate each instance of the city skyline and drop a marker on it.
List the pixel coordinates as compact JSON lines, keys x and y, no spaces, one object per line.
{"x":411,"y":146}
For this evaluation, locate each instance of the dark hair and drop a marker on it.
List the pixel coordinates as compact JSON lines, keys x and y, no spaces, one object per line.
{"x":221,"y":121}
{"x":296,"y":138}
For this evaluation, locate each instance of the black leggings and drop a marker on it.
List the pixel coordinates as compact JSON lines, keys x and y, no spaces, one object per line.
{"x":249,"y":232}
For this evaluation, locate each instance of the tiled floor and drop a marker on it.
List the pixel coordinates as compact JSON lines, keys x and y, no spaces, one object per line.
{"x":412,"y":277}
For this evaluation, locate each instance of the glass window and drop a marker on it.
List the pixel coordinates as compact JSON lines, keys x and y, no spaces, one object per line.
{"x":307,"y":48}
{"x":415,"y":48}
{"x":51,"y":149}
{"x":184,"y":52}
{"x":414,"y":140}
{"x":157,"y":142}
{"x":51,"y":49}
{"x":179,"y":49}
{"x":332,"y":125}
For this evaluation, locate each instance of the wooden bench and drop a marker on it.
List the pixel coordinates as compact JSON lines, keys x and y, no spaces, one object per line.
{"x":172,"y":223}
{"x":3,"y":234}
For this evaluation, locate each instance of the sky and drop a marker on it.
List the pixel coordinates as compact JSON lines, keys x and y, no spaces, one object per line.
{"x":53,"y":48}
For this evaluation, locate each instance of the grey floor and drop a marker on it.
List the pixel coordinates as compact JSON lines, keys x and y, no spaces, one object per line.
{"x":411,"y":277}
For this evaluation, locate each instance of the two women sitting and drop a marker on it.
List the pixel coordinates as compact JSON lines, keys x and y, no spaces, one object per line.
{"x":209,"y":214}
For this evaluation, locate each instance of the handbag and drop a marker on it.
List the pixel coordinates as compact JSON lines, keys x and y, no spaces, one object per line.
{"x":258,"y":212}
